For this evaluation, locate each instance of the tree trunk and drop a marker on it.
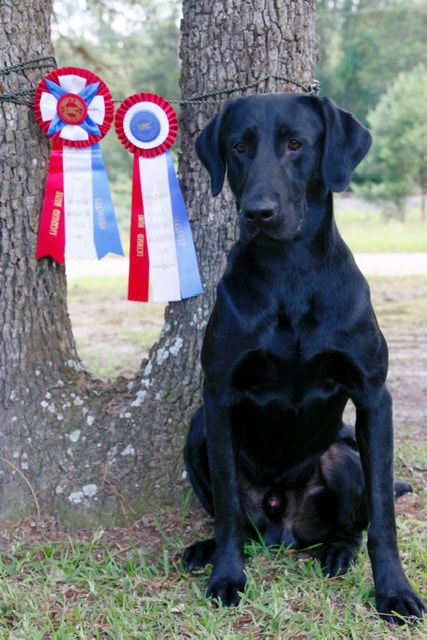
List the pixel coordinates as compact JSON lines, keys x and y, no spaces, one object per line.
{"x":89,"y":452}
{"x":401,"y":209}
{"x":423,"y":186}
{"x":37,"y":348}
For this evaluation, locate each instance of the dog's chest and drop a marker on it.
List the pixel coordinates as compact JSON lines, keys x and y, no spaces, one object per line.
{"x":265,"y":376}
{"x":287,"y":356}
{"x":286,"y":406}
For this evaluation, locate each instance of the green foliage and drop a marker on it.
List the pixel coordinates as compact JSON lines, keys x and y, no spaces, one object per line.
{"x":367,"y":47}
{"x":397,"y":164}
{"x":364,"y":44}
{"x":133,"y":47}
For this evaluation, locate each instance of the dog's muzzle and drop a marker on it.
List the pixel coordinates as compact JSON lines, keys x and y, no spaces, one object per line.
{"x":263,"y":220}
{"x":259,"y":217}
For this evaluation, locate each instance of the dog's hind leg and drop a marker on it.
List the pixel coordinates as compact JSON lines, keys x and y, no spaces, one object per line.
{"x":342,"y":471}
{"x":401,"y":487}
{"x":339,"y":554}
{"x":201,"y":553}
{"x":196,"y":460}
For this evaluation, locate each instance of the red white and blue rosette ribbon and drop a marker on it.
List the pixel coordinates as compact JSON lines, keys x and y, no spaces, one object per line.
{"x":75,"y":109}
{"x":163,"y":264}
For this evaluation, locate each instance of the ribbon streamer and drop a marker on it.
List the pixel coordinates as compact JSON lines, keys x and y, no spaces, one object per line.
{"x":75,"y":109}
{"x":163,"y":264}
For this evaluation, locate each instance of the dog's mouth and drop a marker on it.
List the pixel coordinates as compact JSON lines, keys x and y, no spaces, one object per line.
{"x":266,"y":239}
{"x":265,"y":235}
{"x":271,"y":223}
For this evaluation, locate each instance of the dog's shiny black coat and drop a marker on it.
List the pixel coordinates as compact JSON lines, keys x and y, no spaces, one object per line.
{"x":291,"y":339}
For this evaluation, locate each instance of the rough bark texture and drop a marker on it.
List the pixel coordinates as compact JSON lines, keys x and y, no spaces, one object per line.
{"x":37,"y":347}
{"x":96,"y":453}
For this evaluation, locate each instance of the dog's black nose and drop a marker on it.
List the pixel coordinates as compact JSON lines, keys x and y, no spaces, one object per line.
{"x":260,"y":212}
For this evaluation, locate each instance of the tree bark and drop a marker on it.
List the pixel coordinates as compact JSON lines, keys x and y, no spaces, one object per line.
{"x":96,"y":453}
{"x":423,"y":186}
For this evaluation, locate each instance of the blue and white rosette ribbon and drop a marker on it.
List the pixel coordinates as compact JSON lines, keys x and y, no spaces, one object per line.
{"x":163,"y":264}
{"x":75,"y":109}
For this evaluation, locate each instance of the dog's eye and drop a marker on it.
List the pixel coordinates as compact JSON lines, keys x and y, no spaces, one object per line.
{"x":240,"y":147}
{"x":294,"y":145}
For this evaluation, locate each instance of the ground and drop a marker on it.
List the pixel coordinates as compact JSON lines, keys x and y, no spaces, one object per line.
{"x":73,"y":580}
{"x":400,"y":304}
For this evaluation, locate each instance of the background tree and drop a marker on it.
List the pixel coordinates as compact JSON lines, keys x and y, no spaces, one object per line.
{"x":397,"y":164}
{"x":93,"y":452}
{"x":364,"y":45}
{"x":134,"y":49}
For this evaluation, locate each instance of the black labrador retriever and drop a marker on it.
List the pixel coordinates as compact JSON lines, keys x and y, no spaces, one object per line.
{"x":292,"y":337}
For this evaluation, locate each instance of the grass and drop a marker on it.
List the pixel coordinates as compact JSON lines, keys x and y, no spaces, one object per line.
{"x":94,"y":591}
{"x":365,"y":230}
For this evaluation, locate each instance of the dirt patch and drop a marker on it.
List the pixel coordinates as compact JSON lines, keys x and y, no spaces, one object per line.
{"x":401,"y":306}
{"x":146,"y":535}
{"x":112,"y":334}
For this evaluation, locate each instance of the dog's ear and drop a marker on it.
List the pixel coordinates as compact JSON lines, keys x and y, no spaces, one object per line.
{"x":210,"y":151}
{"x":346,"y":144}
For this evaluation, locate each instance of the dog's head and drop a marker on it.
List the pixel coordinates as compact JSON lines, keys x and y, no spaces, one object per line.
{"x":280,"y":151}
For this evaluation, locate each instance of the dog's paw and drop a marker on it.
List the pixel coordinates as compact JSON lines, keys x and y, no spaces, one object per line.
{"x":198,"y":555}
{"x":226,"y":591}
{"x":405,"y":603}
{"x":336,"y":558}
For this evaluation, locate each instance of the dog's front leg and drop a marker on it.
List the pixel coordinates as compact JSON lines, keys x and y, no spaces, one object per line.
{"x":228,"y":578}
{"x":375,"y":439}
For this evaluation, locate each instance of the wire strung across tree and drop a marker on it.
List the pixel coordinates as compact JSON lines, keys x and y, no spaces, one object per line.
{"x":26,"y":96}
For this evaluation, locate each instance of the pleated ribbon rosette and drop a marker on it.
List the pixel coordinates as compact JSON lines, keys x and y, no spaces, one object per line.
{"x":75,"y":109}
{"x":163,"y":264}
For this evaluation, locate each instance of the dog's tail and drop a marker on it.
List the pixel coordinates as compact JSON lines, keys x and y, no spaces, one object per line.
{"x":400,"y":488}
